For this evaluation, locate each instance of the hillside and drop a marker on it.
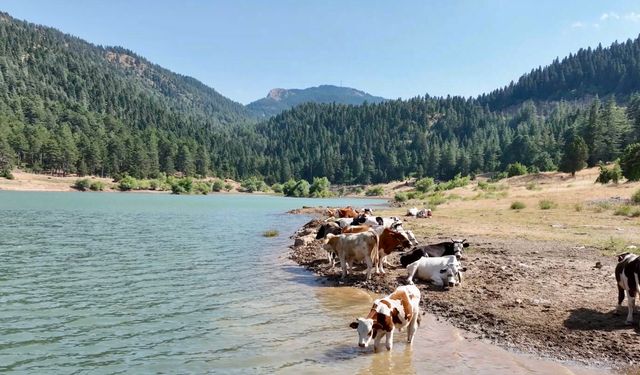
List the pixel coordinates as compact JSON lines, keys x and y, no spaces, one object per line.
{"x":614,"y":70}
{"x":279,"y":100}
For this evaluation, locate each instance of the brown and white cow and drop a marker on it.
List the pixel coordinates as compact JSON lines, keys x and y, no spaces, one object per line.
{"x":346,"y":212}
{"x":354,"y":247}
{"x":627,"y":274}
{"x":397,"y":310}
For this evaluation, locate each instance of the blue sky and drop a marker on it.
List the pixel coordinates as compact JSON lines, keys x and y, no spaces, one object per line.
{"x":391,"y":49}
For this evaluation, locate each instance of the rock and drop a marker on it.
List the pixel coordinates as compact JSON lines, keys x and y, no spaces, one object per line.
{"x":298,"y":242}
{"x":632,"y":247}
{"x":598,"y":265}
{"x":518,"y":301}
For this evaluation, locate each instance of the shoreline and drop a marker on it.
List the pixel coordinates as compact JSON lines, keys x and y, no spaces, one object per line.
{"x":482,"y":313}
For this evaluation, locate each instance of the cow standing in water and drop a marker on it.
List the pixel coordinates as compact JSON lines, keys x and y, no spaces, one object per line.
{"x":398,"y":310}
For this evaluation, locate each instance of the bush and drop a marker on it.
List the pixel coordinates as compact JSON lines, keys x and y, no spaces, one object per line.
{"x":228,"y":187}
{"x":424,"y":185}
{"x":374,"y":191}
{"x":143,"y":185}
{"x":182,"y":186}
{"x":6,"y":173}
{"x":636,"y":197}
{"x":296,"y":189}
{"x":533,"y":186}
{"x":320,"y":187}
{"x":499,"y":176}
{"x":277,"y":188}
{"x":82,"y":184}
{"x":270,"y":233}
{"x":516,"y":169}
{"x":217,"y":185}
{"x":578,"y":207}
{"x":436,"y":200}
{"x":400,"y":197}
{"x":127,"y":183}
{"x":253,"y":184}
{"x":547,"y":204}
{"x":517,"y":205}
{"x":415,"y":195}
{"x":630,"y":162}
{"x":606,"y":175}
{"x":96,"y":186}
{"x":202,"y":188}
{"x":457,"y":181}
{"x":622,"y":210}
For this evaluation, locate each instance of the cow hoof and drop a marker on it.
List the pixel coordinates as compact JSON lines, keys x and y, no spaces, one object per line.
{"x":389,"y":348}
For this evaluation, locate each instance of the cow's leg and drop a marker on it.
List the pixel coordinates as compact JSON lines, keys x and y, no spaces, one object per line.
{"x":389,"y":343}
{"x":631,"y":302}
{"x":369,"y":267}
{"x":377,"y":339}
{"x":381,"y":261}
{"x":413,"y":327}
{"x":343,"y":263}
{"x":411,"y":272}
{"x":620,"y":295}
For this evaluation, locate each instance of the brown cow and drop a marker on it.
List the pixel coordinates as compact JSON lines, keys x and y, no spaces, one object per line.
{"x":346,"y":212}
{"x":390,"y":241}
{"x":356,"y":229}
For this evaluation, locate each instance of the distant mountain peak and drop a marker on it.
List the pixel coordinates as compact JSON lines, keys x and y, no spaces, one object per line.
{"x":279,"y":99}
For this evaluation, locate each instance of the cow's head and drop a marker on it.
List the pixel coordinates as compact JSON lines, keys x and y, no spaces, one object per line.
{"x":400,"y":241}
{"x":365,"y":328}
{"x":458,"y":247}
{"x":360,"y":219}
{"x":450,"y":274}
{"x":622,"y":256}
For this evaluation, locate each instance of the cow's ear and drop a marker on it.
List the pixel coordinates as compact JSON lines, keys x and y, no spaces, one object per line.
{"x":354,"y":325}
{"x":443,"y":270}
{"x":466,"y":244}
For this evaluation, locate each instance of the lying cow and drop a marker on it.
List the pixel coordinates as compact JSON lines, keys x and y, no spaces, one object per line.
{"x":354,"y":247}
{"x":442,"y":271}
{"x":386,"y":222}
{"x":397,"y":310}
{"x":455,"y":247}
{"x":627,"y":274}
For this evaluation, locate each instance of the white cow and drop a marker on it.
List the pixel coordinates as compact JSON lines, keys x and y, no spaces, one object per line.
{"x":442,"y":271}
{"x":397,"y":310}
{"x":354,"y":247}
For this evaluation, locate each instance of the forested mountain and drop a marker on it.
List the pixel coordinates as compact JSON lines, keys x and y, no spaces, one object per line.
{"x":587,"y":73}
{"x":67,"y":106}
{"x":279,"y":100}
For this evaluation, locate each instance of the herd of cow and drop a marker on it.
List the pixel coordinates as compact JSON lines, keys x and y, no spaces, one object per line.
{"x":351,"y":236}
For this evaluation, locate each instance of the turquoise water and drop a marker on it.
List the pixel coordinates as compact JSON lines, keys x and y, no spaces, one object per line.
{"x":106,"y":283}
{"x":147,"y":282}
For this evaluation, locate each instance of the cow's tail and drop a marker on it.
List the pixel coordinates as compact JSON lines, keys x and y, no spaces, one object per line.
{"x":620,"y":294}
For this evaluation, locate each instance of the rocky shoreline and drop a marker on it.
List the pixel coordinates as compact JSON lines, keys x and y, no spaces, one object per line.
{"x":527,"y":296}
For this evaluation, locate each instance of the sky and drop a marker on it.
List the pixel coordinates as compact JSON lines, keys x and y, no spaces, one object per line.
{"x":392,"y":49}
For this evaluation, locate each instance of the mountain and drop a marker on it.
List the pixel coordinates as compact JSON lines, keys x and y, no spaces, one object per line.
{"x":589,"y":72}
{"x":279,"y":100}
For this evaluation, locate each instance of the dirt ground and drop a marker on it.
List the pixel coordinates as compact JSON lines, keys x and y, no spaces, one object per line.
{"x":538,"y":281}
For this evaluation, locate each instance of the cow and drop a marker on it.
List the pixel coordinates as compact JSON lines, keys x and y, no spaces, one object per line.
{"x":386,"y":222}
{"x":443,"y":271}
{"x":454,"y":247}
{"x":355,"y":229}
{"x":343,"y":222}
{"x":390,"y":241}
{"x":397,"y":310}
{"x":330,"y":227}
{"x":406,"y":233}
{"x":627,"y":272}
{"x":347,"y":212}
{"x":354,"y":247}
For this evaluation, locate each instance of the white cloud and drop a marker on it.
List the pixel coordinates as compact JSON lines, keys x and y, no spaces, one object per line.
{"x":577,"y":25}
{"x":609,"y":15}
{"x":596,"y":25}
{"x":632,"y":16}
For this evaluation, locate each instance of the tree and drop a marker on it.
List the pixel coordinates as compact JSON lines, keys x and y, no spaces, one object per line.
{"x":7,"y":156}
{"x":630,"y":162}
{"x":575,"y":155}
{"x":185,"y":162}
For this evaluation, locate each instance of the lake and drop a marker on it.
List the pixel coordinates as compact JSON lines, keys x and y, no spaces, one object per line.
{"x":154,"y":283}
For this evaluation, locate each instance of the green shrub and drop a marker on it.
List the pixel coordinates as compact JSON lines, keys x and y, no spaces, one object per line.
{"x":97,"y":186}
{"x":6,"y":173}
{"x":217,"y":185}
{"x":182,"y":186}
{"x":270,"y":233}
{"x":623,"y":210}
{"x":547,"y":204}
{"x":177,"y":189}
{"x":228,"y":187}
{"x":578,"y":207}
{"x":357,"y":190}
{"x":143,"y":185}
{"x":374,"y":191}
{"x":82,"y":184}
{"x":630,"y":162}
{"x":415,"y":195}
{"x":517,"y":205}
{"x":296,"y":189}
{"x":253,"y":184}
{"x":277,"y":188}
{"x":635,"y":212}
{"x":400,"y":197}
{"x":436,"y":199}
{"x":202,"y":188}
{"x":457,"y":181}
{"x":516,"y":169}
{"x":606,"y":175}
{"x":424,"y":185}
{"x":320,"y":188}
{"x":636,"y":197}
{"x":127,"y":183}
{"x":499,"y":176}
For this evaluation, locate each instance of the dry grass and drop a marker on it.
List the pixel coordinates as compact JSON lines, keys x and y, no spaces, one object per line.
{"x":582,"y":215}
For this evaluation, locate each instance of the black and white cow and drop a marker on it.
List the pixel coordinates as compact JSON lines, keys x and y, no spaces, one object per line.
{"x":454,"y":247}
{"x":327,"y":228}
{"x":627,"y":271}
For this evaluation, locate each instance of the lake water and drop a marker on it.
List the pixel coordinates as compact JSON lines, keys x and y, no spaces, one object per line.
{"x":153,"y":283}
